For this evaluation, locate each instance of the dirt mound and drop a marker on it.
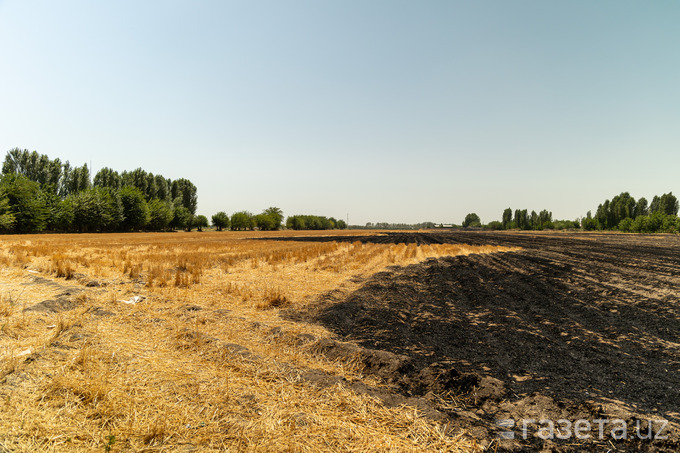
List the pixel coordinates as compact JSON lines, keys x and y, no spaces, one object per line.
{"x":62,"y":302}
{"x":379,"y":363}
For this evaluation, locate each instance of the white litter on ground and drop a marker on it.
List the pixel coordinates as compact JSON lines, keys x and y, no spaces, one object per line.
{"x":133,"y":300}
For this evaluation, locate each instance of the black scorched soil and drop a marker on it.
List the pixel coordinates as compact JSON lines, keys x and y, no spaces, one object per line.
{"x":580,"y":318}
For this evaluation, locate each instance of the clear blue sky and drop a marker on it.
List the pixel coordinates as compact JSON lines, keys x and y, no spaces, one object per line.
{"x":398,"y":111}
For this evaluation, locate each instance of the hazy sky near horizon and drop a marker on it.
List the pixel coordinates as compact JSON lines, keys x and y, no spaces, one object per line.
{"x":396,"y":111}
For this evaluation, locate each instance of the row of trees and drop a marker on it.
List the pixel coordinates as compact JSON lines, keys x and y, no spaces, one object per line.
{"x":395,"y":226}
{"x":622,"y":213}
{"x":40,"y":194}
{"x":521,"y":219}
{"x":625,"y":214}
{"x":314,"y":222}
{"x":52,"y":176}
{"x":272,"y":219}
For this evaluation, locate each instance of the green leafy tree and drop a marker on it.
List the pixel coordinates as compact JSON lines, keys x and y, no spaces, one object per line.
{"x":472,"y":220}
{"x":24,"y":163}
{"x":622,"y":207}
{"x":163,"y":188}
{"x":265,"y":222}
{"x":191,"y":223}
{"x":138,"y":178}
{"x":135,"y":209}
{"x":59,"y":212}
{"x":26,"y":203}
{"x":63,"y":188}
{"x":668,"y":204}
{"x":507,"y":218}
{"x":182,"y":218}
{"x":671,"y":224}
{"x":96,"y":210}
{"x":61,"y":218}
{"x":220,"y":220}
{"x":626,"y":225}
{"x":654,"y":206}
{"x":7,"y":219}
{"x":87,"y":211}
{"x":590,"y":224}
{"x":151,"y":189}
{"x":107,"y":177}
{"x":603,"y":216}
{"x":521,"y":219}
{"x":242,"y":220}
{"x":152,"y":186}
{"x":54,"y":175}
{"x":111,"y":207}
{"x":341,"y":225}
{"x":654,"y":222}
{"x":545,"y":220}
{"x":296,"y":222}
{"x":160,"y":215}
{"x":200,"y":222}
{"x":75,"y":179}
{"x":534,"y":221}
{"x":277,"y":216}
{"x":641,"y":207}
{"x":14,"y":162}
{"x":639,"y":224}
{"x":36,"y":167}
{"x":314,"y":222}
{"x":186,"y":192}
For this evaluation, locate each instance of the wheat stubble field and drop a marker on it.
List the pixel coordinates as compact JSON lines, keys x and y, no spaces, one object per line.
{"x":176,"y":342}
{"x":375,"y":341}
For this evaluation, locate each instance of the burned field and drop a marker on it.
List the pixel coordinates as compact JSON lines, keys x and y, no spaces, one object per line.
{"x":371,"y":341}
{"x":571,"y":326}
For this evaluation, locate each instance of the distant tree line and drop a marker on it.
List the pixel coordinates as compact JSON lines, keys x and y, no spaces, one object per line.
{"x":621,"y":213}
{"x":521,"y":219}
{"x":394,"y":226}
{"x":624,"y":213}
{"x":41,"y":194}
{"x":314,"y":222}
{"x":271,"y":219}
{"x":543,"y":220}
